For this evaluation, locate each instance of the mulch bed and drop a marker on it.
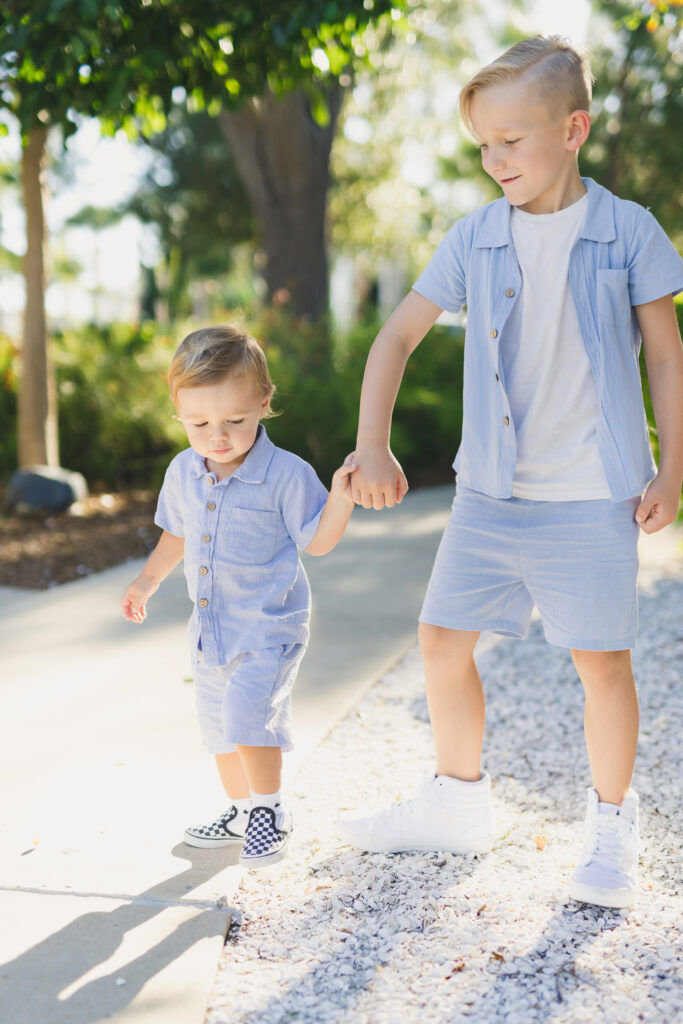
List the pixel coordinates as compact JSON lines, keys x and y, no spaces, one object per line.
{"x":40,"y":551}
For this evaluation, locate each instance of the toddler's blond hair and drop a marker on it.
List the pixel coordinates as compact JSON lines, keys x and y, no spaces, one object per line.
{"x":211,"y":354}
{"x":557,"y":73}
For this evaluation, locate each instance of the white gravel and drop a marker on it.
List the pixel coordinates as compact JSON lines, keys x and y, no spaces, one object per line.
{"x":333,"y":935}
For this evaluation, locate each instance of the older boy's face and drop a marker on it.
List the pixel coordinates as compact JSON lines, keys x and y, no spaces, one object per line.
{"x":221,"y":421}
{"x":524,"y":148}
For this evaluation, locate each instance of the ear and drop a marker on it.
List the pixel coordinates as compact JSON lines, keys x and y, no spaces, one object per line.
{"x":578,"y":129}
{"x":265,"y":407}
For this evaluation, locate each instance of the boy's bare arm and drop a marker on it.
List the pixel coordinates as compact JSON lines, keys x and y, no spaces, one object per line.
{"x":166,"y":555}
{"x":379,"y":480}
{"x":337,"y":511}
{"x":664,"y":360}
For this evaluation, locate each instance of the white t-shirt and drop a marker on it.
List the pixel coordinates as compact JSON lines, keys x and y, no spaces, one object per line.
{"x":547,"y":375}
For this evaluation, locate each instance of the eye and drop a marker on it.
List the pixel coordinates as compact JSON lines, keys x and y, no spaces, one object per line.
{"x":198,"y":426}
{"x":235,"y":423}
{"x":510,"y":142}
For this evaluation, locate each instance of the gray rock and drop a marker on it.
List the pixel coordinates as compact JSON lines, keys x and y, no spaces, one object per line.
{"x":45,"y":489}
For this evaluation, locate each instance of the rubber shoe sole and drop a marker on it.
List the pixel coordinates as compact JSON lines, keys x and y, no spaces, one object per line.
{"x":211,"y":844}
{"x":374,"y":844}
{"x":617,"y":899}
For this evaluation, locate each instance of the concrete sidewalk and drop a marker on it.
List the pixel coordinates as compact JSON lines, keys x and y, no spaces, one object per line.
{"x":106,"y":913}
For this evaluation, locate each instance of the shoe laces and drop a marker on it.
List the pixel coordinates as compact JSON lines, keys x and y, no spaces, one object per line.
{"x":608,"y":839}
{"x":403,"y":810}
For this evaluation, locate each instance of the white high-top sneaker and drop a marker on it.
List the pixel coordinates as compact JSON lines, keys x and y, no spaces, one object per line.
{"x":447,"y":814}
{"x":607,"y":871}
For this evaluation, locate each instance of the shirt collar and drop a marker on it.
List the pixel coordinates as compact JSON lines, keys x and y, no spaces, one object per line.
{"x":253,"y":469}
{"x":598,"y":224}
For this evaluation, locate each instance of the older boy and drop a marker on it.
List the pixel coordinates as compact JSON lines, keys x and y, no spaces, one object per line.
{"x":561,"y":279}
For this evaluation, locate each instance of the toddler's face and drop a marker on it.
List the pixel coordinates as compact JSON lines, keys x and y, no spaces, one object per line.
{"x":221,"y":420}
{"x":523,"y":146}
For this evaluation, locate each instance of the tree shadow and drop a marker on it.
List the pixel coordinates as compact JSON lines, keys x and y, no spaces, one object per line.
{"x":33,"y":982}
{"x":397,"y":897}
{"x":544,"y":982}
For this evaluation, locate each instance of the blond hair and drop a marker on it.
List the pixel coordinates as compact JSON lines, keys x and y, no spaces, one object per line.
{"x":559,"y":75}
{"x":211,"y":354}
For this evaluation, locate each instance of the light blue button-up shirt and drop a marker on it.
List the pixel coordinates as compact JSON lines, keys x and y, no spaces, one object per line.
{"x":621,"y":259}
{"x":242,"y":535}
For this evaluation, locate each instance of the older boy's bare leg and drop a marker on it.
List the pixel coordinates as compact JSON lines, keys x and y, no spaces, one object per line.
{"x":262,"y":767}
{"x":610,"y":720}
{"x":235,"y":782}
{"x":455,"y":699}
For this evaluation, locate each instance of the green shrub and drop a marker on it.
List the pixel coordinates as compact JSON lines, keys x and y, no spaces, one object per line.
{"x":115,"y":422}
{"x":318,"y":391}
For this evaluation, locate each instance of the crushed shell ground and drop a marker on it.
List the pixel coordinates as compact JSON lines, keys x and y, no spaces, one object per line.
{"x":334,"y":935}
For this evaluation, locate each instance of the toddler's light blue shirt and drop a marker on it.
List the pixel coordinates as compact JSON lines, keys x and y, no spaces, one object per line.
{"x":242,"y":535}
{"x":621,"y":259}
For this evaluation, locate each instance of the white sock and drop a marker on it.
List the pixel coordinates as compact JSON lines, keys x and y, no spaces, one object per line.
{"x":272,"y":800}
{"x":243,"y":805}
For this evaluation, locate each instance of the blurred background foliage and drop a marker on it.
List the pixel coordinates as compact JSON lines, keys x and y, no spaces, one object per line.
{"x":400,"y":172}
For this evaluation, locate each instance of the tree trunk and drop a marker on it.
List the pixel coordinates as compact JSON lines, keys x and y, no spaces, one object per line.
{"x":282,"y":156}
{"x":37,"y":399}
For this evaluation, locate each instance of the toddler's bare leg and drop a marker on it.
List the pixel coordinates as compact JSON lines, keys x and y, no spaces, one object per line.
{"x":235,"y":782}
{"x":455,"y":698}
{"x":610,"y":720}
{"x":262,"y":767}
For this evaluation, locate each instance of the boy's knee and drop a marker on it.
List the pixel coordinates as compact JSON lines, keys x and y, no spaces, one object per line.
{"x":438,"y":641}
{"x":603,"y":668}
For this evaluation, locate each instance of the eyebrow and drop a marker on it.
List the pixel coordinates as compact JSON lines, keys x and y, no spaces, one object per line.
{"x":203,"y":415}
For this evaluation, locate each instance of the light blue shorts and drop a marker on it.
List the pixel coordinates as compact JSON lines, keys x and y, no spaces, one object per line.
{"x":577,"y":561}
{"x":248,"y":700}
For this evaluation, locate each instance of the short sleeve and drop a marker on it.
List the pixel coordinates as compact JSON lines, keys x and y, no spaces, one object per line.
{"x":654,"y":267}
{"x":444,"y":281}
{"x":169,"y":513}
{"x":303,"y":500}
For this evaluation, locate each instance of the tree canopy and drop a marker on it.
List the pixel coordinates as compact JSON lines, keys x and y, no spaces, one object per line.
{"x":122,"y":59}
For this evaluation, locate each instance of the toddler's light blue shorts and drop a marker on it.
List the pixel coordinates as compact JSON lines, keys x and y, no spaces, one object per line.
{"x":577,"y":561}
{"x":248,"y":700}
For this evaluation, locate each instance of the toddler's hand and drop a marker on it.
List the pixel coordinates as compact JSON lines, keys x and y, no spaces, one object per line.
{"x":136,"y":597}
{"x":341,"y":481}
{"x":659,"y":506}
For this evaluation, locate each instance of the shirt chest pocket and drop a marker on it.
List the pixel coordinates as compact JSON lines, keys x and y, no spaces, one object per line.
{"x":614,"y":303}
{"x":252,"y":537}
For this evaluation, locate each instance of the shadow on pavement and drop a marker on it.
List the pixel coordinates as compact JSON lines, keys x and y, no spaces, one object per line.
{"x":36,"y":984}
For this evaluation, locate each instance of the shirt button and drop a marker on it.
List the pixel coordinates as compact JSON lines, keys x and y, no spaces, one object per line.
{"x":211,"y":505}
{"x":509,"y":292}
{"x":206,"y":537}
{"x":203,"y":603}
{"x":203,"y":570}
{"x":493,"y":333}
{"x":506,"y":421}
{"x":497,"y":377}
{"x":209,"y":481}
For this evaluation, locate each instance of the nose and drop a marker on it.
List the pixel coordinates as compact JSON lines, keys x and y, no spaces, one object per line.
{"x":493,"y":159}
{"x":218,"y":432}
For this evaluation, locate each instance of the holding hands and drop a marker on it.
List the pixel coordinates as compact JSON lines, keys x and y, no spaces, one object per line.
{"x":379,"y":481}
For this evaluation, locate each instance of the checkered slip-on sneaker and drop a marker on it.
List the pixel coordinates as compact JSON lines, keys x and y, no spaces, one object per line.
{"x":266,"y":838}
{"x":228,"y":830}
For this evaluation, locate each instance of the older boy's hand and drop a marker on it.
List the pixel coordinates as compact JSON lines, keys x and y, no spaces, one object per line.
{"x":659,"y":506}
{"x":379,"y":481}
